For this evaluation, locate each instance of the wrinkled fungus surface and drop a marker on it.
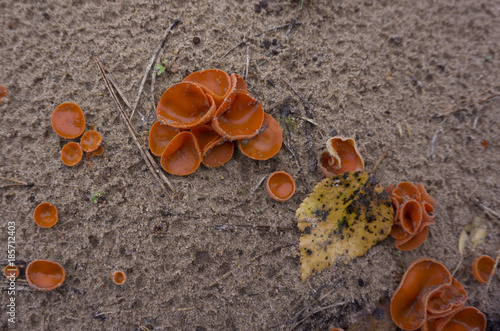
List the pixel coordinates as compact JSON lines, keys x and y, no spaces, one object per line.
{"x":45,"y":275}
{"x":280,"y":186}
{"x":71,"y":154}
{"x":90,"y":141}
{"x":341,"y":155}
{"x":45,"y":215}
{"x":482,"y":268}
{"x":68,"y":120}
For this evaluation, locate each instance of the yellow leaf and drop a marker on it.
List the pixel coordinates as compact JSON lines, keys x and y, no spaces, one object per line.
{"x":341,"y":219}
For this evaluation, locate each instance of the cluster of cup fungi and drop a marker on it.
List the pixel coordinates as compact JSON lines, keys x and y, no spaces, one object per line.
{"x":202,"y":118}
{"x":428,"y":297}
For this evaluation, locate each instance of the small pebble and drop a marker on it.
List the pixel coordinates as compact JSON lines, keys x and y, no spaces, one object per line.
{"x":196,"y":40}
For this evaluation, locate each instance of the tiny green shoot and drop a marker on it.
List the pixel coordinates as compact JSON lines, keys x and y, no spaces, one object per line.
{"x":488,"y":58}
{"x":95,"y":196}
{"x":160,"y":68}
{"x":260,"y":210}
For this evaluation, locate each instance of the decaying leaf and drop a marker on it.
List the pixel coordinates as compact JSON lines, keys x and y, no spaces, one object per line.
{"x":341,"y":219}
{"x":471,"y":236}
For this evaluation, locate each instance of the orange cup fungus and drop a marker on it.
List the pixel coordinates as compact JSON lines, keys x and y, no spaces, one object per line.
{"x":216,"y":109}
{"x":118,"y":277}
{"x":90,"y":141}
{"x":482,"y":268}
{"x":429,"y":298}
{"x":341,"y":155}
{"x":182,"y":156}
{"x":45,"y":215}
{"x":68,"y":120}
{"x":266,"y":143}
{"x":11,"y":271}
{"x":280,"y":186}
{"x":99,"y":151}
{"x":414,"y":212}
{"x":3,"y":93}
{"x":185,"y":105}
{"x":45,"y":275}
{"x":71,"y":154}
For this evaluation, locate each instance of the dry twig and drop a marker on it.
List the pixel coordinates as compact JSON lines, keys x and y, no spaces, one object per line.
{"x":150,"y":65}
{"x":148,"y":159}
{"x":16,"y":182}
{"x":378,"y":162}
{"x":453,"y":108}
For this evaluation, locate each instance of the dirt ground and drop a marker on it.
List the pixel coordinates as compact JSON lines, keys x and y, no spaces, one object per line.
{"x":377,"y":71}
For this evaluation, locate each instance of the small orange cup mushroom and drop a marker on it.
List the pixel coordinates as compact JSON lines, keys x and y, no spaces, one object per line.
{"x":410,"y":216}
{"x":214,"y":82}
{"x":217,"y":152}
{"x":45,"y":275}
{"x":182,"y":156}
{"x":159,"y":137}
{"x":341,"y":155}
{"x":11,"y":271}
{"x":68,"y":120}
{"x":406,"y":190}
{"x":482,"y":268}
{"x":205,"y":135}
{"x":240,"y":119}
{"x":280,"y":186}
{"x":420,"y":281}
{"x":99,"y":151}
{"x":266,"y":143}
{"x":119,"y":277}
{"x":411,"y":242}
{"x":240,"y":83}
{"x":3,"y":93}
{"x":185,"y":105}
{"x":45,"y":215}
{"x":463,"y":318}
{"x":90,"y":141}
{"x":447,"y":299}
{"x":71,"y":154}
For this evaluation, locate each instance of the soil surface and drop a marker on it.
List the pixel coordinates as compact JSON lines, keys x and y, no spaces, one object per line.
{"x":225,"y":256}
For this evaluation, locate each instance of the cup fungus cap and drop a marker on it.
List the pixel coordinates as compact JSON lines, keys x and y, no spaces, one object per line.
{"x":68,"y":120}
{"x":45,"y":275}
{"x":410,"y":216}
{"x":99,"y":151}
{"x":280,"y":186}
{"x":159,"y":137}
{"x":341,"y":155}
{"x":447,"y":298}
{"x":266,"y":143}
{"x":90,"y":141}
{"x":205,"y":135}
{"x":482,"y":268}
{"x":182,"y":156}
{"x":217,"y":152}
{"x":409,"y":303}
{"x":11,"y":271}
{"x":185,"y":105}
{"x":119,"y":277}
{"x":45,"y":215}
{"x":240,"y":83}
{"x":412,"y":241}
{"x":463,"y":318}
{"x":71,"y":154}
{"x":241,"y":119}
{"x":214,"y":82}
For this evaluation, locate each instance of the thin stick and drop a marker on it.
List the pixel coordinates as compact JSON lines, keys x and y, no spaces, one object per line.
{"x":150,"y":65}
{"x":317,"y":311}
{"x":252,"y":191}
{"x":431,"y":152}
{"x":304,"y":101}
{"x":247,"y":64}
{"x":378,"y":162}
{"x":292,"y":24}
{"x":15,"y":181}
{"x":451,"y":109}
{"x":120,"y":93}
{"x":153,"y":82}
{"x":230,"y":272}
{"x":488,"y":210}
{"x":188,"y":308}
{"x":233,"y":48}
{"x":408,"y":129}
{"x":148,"y":160}
{"x":276,"y":28}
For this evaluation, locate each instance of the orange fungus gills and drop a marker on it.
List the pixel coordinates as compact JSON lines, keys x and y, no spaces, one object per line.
{"x":266,"y":143}
{"x":214,"y":82}
{"x":341,"y":155}
{"x":71,"y":154}
{"x":184,"y":106}
{"x":3,"y":93}
{"x":159,"y":137}
{"x":280,"y":186}
{"x":241,"y":119}
{"x":45,"y":275}
{"x":118,"y":277}
{"x":90,"y":141}
{"x":217,"y":153}
{"x":11,"y":272}
{"x":482,"y":268}
{"x":409,"y":303}
{"x":182,"y":156}
{"x":45,"y":215}
{"x":68,"y":120}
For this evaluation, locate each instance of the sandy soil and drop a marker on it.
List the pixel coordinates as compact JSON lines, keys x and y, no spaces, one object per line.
{"x":366,"y":67}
